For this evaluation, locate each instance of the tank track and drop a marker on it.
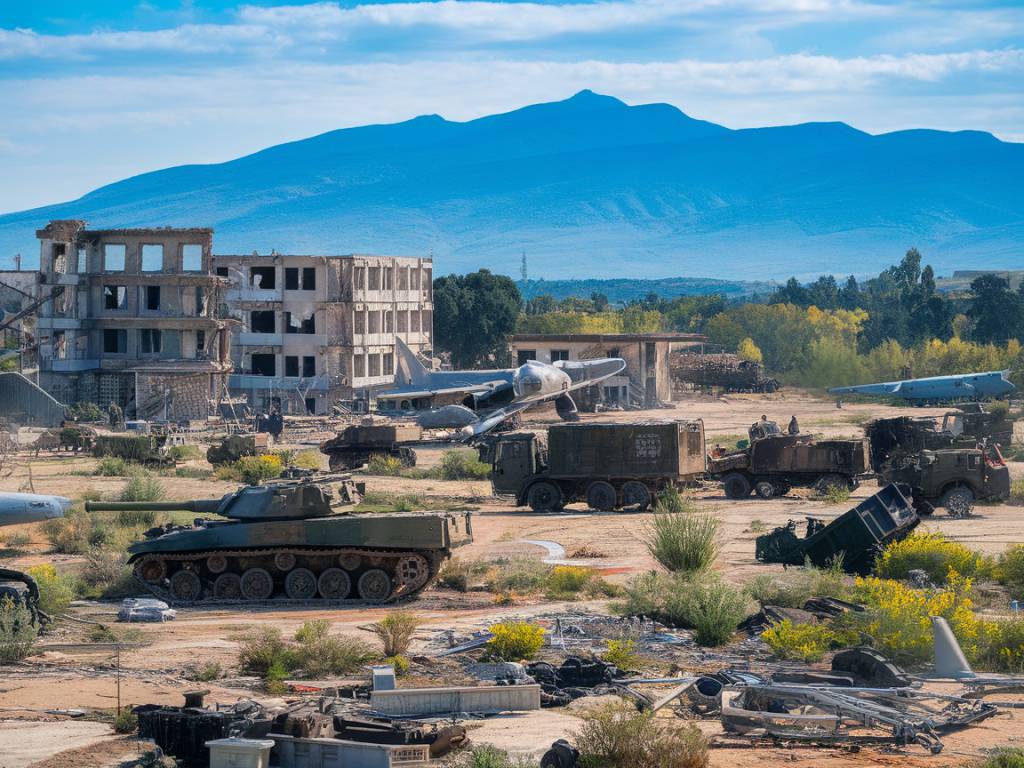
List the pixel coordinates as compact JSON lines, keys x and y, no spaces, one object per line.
{"x":266,"y":558}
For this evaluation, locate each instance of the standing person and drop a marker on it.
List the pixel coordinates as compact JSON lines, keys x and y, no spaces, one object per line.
{"x":794,"y":427}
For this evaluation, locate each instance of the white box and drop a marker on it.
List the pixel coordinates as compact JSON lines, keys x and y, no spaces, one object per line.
{"x":240,"y":753}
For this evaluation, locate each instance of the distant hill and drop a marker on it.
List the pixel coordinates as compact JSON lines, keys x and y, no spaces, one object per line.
{"x":592,"y":188}
{"x":626,"y":289}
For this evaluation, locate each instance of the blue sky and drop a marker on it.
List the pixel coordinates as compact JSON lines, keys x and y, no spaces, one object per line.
{"x":96,"y":91}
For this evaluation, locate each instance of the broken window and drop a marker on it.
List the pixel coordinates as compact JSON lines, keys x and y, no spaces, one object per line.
{"x":374,"y":278}
{"x":291,"y":365}
{"x":200,"y":344}
{"x":115,"y":342}
{"x":360,"y":321}
{"x":375,"y":365}
{"x":60,"y":347}
{"x":151,"y":341}
{"x":358,"y":367}
{"x":359,"y":278}
{"x":115,"y":297}
{"x":299,"y":324}
{"x":222,"y":272}
{"x":191,"y":258}
{"x":311,"y":405}
{"x":291,"y":278}
{"x":261,"y":321}
{"x":263,"y":365}
{"x":200,"y":298}
{"x":389,"y":363}
{"x":60,"y":258}
{"x":152,"y":258}
{"x":374,"y":324}
{"x":113,"y":257}
{"x":309,"y":278}
{"x":152,"y":297}
{"x":83,"y":261}
{"x":308,"y":366}
{"x":263,"y":277}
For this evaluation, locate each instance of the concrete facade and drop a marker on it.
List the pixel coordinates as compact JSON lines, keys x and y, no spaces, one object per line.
{"x":133,"y":319}
{"x":646,"y":380}
{"x":316,"y":330}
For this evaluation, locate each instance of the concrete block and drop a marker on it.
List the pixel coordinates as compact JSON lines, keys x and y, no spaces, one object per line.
{"x":240,"y":753}
{"x":383,"y":677}
{"x":296,"y":752}
{"x":412,"y":702}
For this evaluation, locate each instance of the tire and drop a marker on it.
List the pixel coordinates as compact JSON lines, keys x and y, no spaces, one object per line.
{"x":334,"y":584}
{"x":300,"y":584}
{"x":257,"y":584}
{"x":764,"y":489}
{"x":636,"y":495}
{"x":602,"y":496}
{"x":228,"y":586}
{"x":958,"y":501}
{"x":544,"y":497}
{"x":374,"y":585}
{"x":736,"y":486}
{"x":186,"y":587}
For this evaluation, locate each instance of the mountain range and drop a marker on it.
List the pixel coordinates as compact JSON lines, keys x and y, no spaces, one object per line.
{"x":590,"y":187}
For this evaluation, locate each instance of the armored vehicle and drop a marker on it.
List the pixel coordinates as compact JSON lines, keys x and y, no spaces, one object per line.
{"x":968,"y":427}
{"x":291,"y":541}
{"x":727,"y":372}
{"x":951,"y":477}
{"x":353,"y":446}
{"x":774,"y":462}
{"x":234,"y":447}
{"x":609,"y":466}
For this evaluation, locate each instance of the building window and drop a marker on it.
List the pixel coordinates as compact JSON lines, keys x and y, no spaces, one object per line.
{"x":415,"y":278}
{"x":299,"y":324}
{"x":559,"y":354}
{"x":308,"y":366}
{"x":291,"y":365}
{"x":115,"y":342}
{"x":83,"y":261}
{"x":222,"y":272}
{"x":199,"y":300}
{"x":60,"y":347}
{"x":263,"y":277}
{"x":309,"y":278}
{"x":387,"y":278}
{"x":60,"y":258}
{"x":358,"y":367}
{"x":428,"y":286}
{"x":261,"y":321}
{"x":152,"y":258}
{"x":374,"y":326}
{"x":403,"y":279}
{"x":374,"y":365}
{"x":263,"y":365}
{"x":200,"y":344}
{"x":414,"y":321}
{"x":151,"y":341}
{"x":113,"y":257}
{"x":359,"y":278}
{"x":426,"y":322}
{"x":115,"y":297}
{"x":310,"y":406}
{"x":523,"y":356}
{"x":152,"y":297}
{"x":360,"y":321}
{"x":403,"y":321}
{"x":389,"y":321}
{"x":291,"y":278}
{"x":191,"y":258}
{"x":374,"y":278}
{"x":389,"y":363}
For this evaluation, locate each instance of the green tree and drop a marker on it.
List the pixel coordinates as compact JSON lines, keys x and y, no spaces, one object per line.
{"x":474,"y":316}
{"x":995,"y":309}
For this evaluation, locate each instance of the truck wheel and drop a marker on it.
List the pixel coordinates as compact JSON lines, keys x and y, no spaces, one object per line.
{"x":636,"y":495}
{"x":736,"y":486}
{"x":601,"y":496}
{"x":958,"y":501}
{"x":764,"y":489}
{"x":544,"y":497}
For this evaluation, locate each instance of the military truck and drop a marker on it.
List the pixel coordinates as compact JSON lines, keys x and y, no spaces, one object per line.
{"x":951,"y":477}
{"x":773,"y":463}
{"x":609,"y":466}
{"x":353,"y":446}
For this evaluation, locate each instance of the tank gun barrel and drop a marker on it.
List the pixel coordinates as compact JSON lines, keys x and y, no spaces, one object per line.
{"x":201,"y":506}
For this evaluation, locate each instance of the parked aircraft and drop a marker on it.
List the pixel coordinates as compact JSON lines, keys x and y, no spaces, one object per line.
{"x":487,"y":398}
{"x":966,"y":386}
{"x":17,"y":508}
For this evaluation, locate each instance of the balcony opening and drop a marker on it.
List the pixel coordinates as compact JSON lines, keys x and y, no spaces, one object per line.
{"x":308,"y":366}
{"x":374,"y":325}
{"x":152,"y":258}
{"x":152,"y":297}
{"x":299,"y":324}
{"x":261,"y":321}
{"x":291,"y":365}
{"x":374,"y":279}
{"x":115,"y":341}
{"x":191,"y":258}
{"x":115,"y":297}
{"x":263,"y":365}
{"x":359,"y":278}
{"x":264,"y":278}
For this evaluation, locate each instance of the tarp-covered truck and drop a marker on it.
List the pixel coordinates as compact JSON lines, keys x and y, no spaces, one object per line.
{"x":609,"y":466}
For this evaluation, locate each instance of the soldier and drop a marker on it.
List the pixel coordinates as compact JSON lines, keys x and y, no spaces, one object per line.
{"x":116,"y":417}
{"x":794,"y":427}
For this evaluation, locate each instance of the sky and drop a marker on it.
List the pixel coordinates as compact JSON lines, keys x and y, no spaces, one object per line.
{"x":93,"y":92}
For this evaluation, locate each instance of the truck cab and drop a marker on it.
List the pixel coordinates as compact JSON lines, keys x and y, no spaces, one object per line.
{"x":514,"y":458}
{"x":952,"y":477}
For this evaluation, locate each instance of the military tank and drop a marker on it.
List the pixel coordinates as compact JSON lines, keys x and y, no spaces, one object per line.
{"x":292,"y":541}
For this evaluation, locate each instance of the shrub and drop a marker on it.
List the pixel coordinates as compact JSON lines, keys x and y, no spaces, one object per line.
{"x":264,"y":649}
{"x":707,"y":605}
{"x":803,"y":642}
{"x":319,"y":654}
{"x":680,"y":537}
{"x":185,"y":452}
{"x":1017,"y":491}
{"x":399,"y":663}
{"x":462,"y":464}
{"x":395,"y":631}
{"x":932,"y":553}
{"x":835,"y":494}
{"x":17,"y":632}
{"x":458,"y":574}
{"x":309,"y":459}
{"x":616,"y":734}
{"x":194,"y":473}
{"x":106,"y":574}
{"x":56,"y":590}
{"x":1001,"y":646}
{"x":1009,"y":570}
{"x":113,"y":466}
{"x":519,"y":574}
{"x":621,"y":653}
{"x":486,"y":756}
{"x":793,"y":587}
{"x":69,"y":534}
{"x":569,"y":579}
{"x":125,"y":721}
{"x":253,"y":470}
{"x":206,"y":672}
{"x":381,"y":464}
{"x":143,"y":487}
{"x":1002,"y":757}
{"x":86,"y":411}
{"x":515,"y":640}
{"x":18,"y":540}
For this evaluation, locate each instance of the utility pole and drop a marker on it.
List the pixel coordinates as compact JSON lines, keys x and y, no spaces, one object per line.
{"x":522,"y":269}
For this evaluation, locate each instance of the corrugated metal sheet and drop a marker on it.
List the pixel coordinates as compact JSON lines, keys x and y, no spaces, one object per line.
{"x":23,"y":403}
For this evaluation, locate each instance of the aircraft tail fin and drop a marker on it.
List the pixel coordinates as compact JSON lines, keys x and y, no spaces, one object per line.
{"x":409,"y":371}
{"x":949,"y":658}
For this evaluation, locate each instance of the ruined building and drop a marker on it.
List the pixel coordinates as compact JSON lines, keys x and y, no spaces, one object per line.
{"x":132,"y":320}
{"x":317,"y":330}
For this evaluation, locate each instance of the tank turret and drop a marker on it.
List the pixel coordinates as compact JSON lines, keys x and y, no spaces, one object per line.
{"x":290,"y":541}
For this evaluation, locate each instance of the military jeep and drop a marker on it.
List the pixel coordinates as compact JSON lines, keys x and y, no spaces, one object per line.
{"x":952,"y":477}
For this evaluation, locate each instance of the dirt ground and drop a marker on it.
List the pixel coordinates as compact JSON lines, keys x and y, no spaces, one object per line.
{"x":66,"y":673}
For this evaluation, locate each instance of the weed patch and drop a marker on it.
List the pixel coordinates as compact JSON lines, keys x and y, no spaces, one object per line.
{"x":462,"y":464}
{"x":382,"y":464}
{"x":143,"y":487}
{"x":803,"y":642}
{"x":395,"y":632}
{"x":17,"y":633}
{"x":681,"y":537}
{"x":56,"y":590}
{"x":313,"y":652}
{"x":621,"y":653}
{"x":616,"y":734}
{"x":934,"y":554}
{"x":515,"y":641}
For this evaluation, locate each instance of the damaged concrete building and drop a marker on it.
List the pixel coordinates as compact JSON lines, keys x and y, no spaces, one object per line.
{"x":132,"y":319}
{"x":319,"y":330}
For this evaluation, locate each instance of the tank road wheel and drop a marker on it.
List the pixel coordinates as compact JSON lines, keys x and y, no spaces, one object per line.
{"x":334,"y":584}
{"x":300,"y":584}
{"x":284,"y":561}
{"x":374,"y":585}
{"x":636,"y":495}
{"x":544,"y":497}
{"x":186,"y":587}
{"x":228,"y":586}
{"x":216,"y":563}
{"x":601,"y":496}
{"x":257,"y":584}
{"x":736,"y":486}
{"x":151,"y":570}
{"x":958,"y":501}
{"x":764,"y":489}
{"x":350,"y":562}
{"x":412,"y":571}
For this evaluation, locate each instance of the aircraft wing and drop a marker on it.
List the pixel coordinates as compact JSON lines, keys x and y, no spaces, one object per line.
{"x":414,"y":391}
{"x":491,"y":420}
{"x":586,"y":373}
